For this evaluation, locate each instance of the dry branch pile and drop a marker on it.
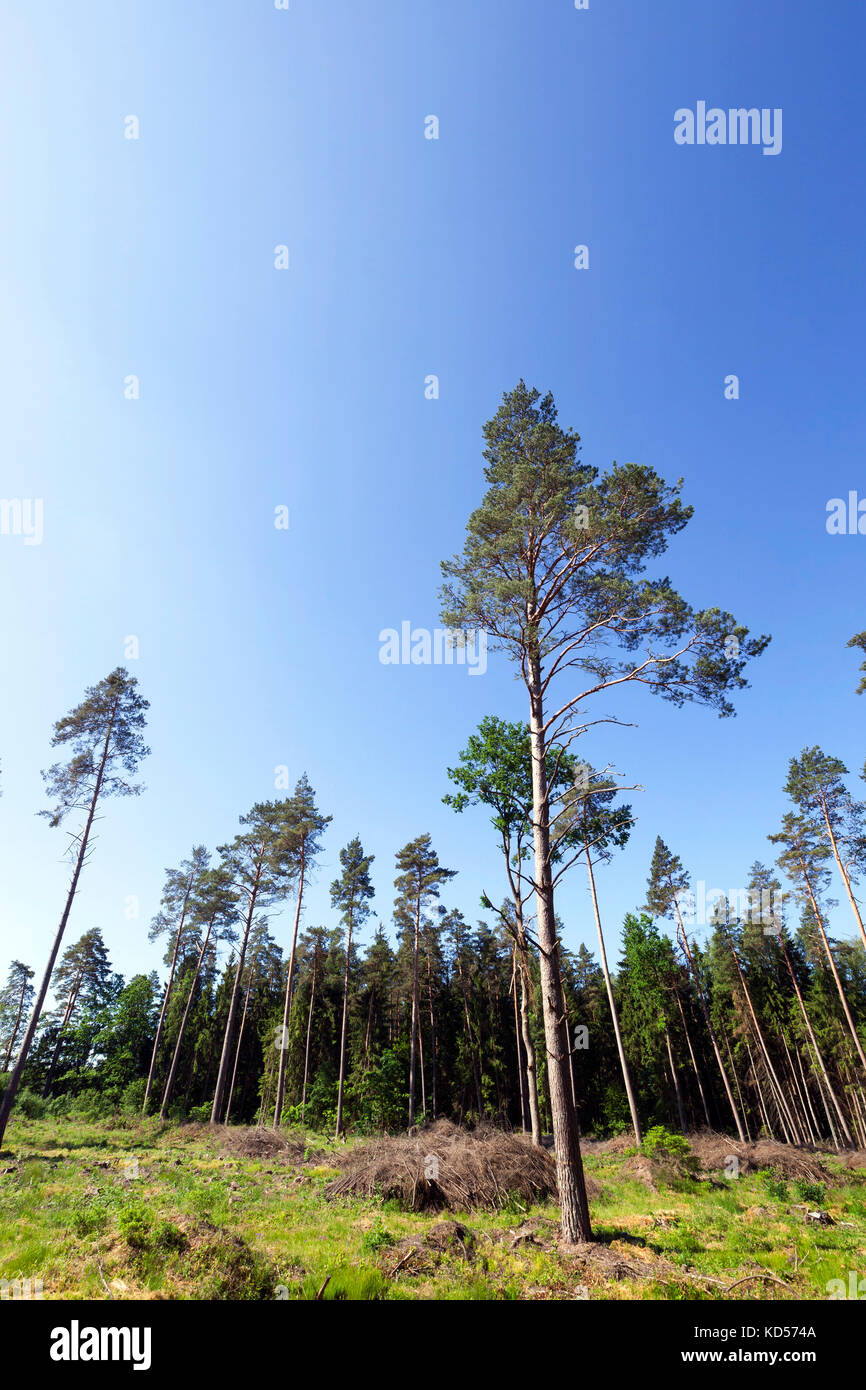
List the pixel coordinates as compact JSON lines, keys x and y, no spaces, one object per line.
{"x":258,"y":1142}
{"x":442,"y":1166}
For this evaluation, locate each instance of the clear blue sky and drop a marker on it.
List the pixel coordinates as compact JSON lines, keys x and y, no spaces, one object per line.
{"x":305,"y":387}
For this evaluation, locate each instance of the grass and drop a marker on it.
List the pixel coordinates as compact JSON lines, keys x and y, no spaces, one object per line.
{"x":144,"y":1210}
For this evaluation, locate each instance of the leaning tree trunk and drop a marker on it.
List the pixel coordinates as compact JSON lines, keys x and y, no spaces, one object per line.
{"x":788,"y":1121}
{"x":172,"y":1071}
{"x":839,"y":990}
{"x":688,"y":1038}
{"x":250,"y":981}
{"x":67,"y":1014}
{"x":233,"y":1006}
{"x":15,"y":1078}
{"x":343,"y":1030}
{"x":161,"y":1020}
{"x":287,"y":1006}
{"x":626,"y":1075}
{"x":309,"y":1034}
{"x":712,"y":1032}
{"x":676,"y":1080}
{"x":816,"y":1049}
{"x":846,"y":877}
{"x":518,"y":1047}
{"x":576,"y":1226}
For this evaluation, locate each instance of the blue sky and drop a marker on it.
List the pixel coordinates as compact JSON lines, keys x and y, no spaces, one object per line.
{"x":305,"y":388}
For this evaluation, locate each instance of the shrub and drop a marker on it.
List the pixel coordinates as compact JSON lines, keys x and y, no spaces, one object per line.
{"x":377,"y":1238}
{"x":659,"y":1143}
{"x":811,"y":1192}
{"x":28,"y":1104}
{"x":773,"y":1184}
{"x":135,"y":1227}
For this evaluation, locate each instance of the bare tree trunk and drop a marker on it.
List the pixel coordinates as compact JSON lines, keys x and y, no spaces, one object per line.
{"x":814,"y":1124}
{"x":820,"y":1091}
{"x":711,"y":1031}
{"x":165,"y":996}
{"x":626,"y":1076}
{"x":576,"y":1225}
{"x":739,"y":1092}
{"x":787,"y":1119}
{"x":846,"y":877}
{"x":413,"y":1029}
{"x":233,"y":1006}
{"x":805,"y":1122}
{"x":432,"y":1036}
{"x":676,"y":1080}
{"x":757,"y":1085}
{"x":309,"y":1032}
{"x":287,"y":1006}
{"x":840,"y":991}
{"x":343,"y":1029}
{"x":67,"y":1014}
{"x":524,"y":1107}
{"x":814,"y":1041}
{"x":15,"y":1078}
{"x":694,"y":1059}
{"x":250,"y":978}
{"x":169,"y":1082}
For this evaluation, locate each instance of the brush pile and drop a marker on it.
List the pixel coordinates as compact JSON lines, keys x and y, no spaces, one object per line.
{"x":444,"y":1167}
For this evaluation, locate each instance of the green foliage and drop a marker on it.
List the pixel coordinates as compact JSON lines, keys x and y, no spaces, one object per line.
{"x":136,"y":1226}
{"x":811,"y":1192}
{"x":773,"y":1183}
{"x":377,"y":1238}
{"x":659,"y":1143}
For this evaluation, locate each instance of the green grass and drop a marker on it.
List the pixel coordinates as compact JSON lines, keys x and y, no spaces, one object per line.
{"x":200,"y":1221}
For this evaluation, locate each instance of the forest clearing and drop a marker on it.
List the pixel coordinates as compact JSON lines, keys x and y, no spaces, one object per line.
{"x":143,"y":1210}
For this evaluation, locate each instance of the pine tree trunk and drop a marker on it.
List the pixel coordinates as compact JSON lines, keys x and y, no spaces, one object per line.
{"x":739,"y":1092}
{"x":165,"y":996}
{"x":432,"y":1038}
{"x":233,"y":1006}
{"x":343,"y":1028}
{"x":413,"y":1030}
{"x":711,"y":1031}
{"x":172,"y":1071}
{"x":251,"y":977}
{"x":840,"y":991}
{"x":846,"y":877}
{"x":518,"y":1048}
{"x":787,"y":1119}
{"x":814,"y":1042}
{"x":67,"y":1014}
{"x":676,"y":1082}
{"x":287,"y":1006}
{"x":309,"y":1034}
{"x":576,"y":1226}
{"x":694,"y":1060}
{"x":626,"y":1076}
